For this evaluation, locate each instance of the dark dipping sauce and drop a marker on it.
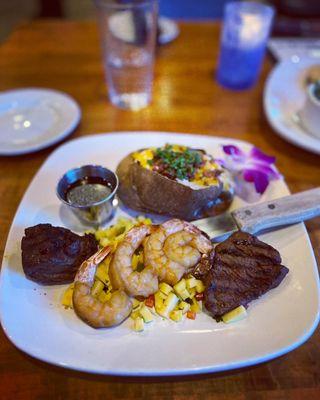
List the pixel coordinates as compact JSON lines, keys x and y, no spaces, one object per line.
{"x":88,"y":191}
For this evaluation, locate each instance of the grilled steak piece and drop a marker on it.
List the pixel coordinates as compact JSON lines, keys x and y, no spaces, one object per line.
{"x":52,"y":255}
{"x":244,"y":268}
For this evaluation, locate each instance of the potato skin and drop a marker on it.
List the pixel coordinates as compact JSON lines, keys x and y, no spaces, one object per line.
{"x":148,"y":191}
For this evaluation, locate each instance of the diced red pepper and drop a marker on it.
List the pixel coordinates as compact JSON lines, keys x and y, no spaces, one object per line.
{"x":149,"y":301}
{"x":199,"y":296}
{"x":191,"y":314}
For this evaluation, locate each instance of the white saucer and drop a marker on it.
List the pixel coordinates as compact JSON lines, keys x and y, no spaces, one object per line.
{"x":32,"y":119}
{"x":169,"y":30}
{"x":284,"y":96}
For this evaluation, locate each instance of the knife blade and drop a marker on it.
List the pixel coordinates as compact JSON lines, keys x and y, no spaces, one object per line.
{"x":267,"y":215}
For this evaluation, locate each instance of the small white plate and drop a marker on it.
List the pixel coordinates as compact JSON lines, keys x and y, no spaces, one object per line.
{"x":35,"y":321}
{"x":284,"y":96}
{"x":169,"y":30}
{"x":32,"y":119}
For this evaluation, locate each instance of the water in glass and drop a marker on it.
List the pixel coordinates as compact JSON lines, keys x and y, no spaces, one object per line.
{"x":129,"y":78}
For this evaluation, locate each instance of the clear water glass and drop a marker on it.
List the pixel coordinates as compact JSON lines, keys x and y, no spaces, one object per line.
{"x":128,"y":30}
{"x":246,"y":28}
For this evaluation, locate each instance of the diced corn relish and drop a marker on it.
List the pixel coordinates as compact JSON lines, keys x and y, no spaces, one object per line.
{"x":115,"y":233}
{"x":174,"y":303}
{"x":165,"y":288}
{"x":235,"y":315}
{"x":176,"y":315}
{"x":149,"y":301}
{"x":135,"y":303}
{"x":146,"y":314}
{"x":191,"y":314}
{"x":138,"y":324}
{"x":66,"y":300}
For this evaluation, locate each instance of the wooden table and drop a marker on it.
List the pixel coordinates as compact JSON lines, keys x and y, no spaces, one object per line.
{"x":65,"y":56}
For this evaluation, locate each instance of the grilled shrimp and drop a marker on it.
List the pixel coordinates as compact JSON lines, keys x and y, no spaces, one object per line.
{"x":122,"y":275}
{"x":88,"y":308}
{"x":174,"y":248}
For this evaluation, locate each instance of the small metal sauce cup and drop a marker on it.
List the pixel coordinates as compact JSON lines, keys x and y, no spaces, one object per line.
{"x":94,"y":213}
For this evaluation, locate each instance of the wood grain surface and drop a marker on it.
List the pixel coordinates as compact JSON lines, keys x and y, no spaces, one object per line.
{"x":65,"y":56}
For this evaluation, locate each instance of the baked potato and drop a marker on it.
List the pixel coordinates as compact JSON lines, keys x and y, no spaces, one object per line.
{"x":175,"y":181}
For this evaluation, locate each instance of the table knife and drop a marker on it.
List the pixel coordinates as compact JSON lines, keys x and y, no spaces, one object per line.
{"x":255,"y":218}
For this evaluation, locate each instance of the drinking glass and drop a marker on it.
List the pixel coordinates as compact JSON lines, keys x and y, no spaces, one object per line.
{"x":245,"y":31}
{"x":128,"y":31}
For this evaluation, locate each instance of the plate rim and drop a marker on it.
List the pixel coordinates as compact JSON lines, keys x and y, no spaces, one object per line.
{"x":174,"y":372}
{"x":58,"y":137}
{"x":275,"y":124}
{"x":307,"y":333}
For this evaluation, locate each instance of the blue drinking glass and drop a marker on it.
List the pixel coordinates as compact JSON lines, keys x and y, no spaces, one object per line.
{"x":245,"y":32}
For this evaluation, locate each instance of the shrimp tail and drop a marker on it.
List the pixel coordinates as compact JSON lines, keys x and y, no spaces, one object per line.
{"x":87,"y":269}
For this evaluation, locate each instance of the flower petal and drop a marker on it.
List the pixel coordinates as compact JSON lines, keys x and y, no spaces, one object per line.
{"x":260,"y":179}
{"x":248,"y":175}
{"x":232,"y":150}
{"x":260,"y":155}
{"x":263,"y":168}
{"x":246,"y":191}
{"x":254,"y":167}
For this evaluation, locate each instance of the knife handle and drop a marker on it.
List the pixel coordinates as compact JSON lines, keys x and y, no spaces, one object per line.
{"x":284,"y":211}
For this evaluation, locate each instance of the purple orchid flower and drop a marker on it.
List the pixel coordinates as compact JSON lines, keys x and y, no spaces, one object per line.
{"x":255,"y":167}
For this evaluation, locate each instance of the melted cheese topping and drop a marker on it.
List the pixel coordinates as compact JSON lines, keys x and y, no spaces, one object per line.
{"x":142,"y":157}
{"x":200,"y":179}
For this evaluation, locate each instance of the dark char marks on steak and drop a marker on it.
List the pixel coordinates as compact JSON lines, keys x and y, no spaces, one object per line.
{"x":244,"y":268}
{"x":52,"y":255}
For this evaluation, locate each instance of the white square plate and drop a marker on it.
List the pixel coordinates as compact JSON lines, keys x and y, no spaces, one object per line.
{"x":34,"y":320}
